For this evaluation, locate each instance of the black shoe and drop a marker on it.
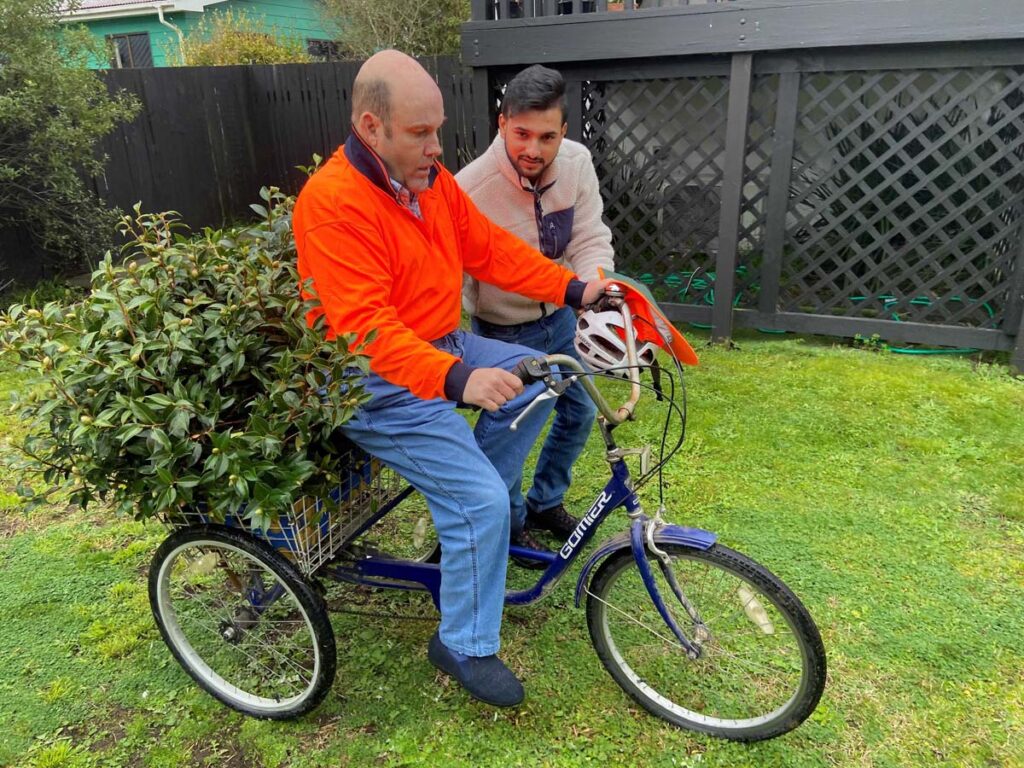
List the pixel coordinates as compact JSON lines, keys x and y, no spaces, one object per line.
{"x":485,"y":678}
{"x":526,"y":539}
{"x":554,"y":519}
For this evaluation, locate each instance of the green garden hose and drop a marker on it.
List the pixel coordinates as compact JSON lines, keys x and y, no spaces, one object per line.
{"x":681,"y":282}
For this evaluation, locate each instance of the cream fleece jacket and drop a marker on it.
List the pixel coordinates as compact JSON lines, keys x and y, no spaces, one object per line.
{"x":576,"y":237}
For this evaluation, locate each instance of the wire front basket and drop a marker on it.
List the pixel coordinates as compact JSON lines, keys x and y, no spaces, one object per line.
{"x":316,"y":528}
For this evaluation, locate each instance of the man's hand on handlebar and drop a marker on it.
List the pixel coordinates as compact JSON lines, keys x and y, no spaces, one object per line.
{"x":595,"y":290}
{"x":491,"y":388}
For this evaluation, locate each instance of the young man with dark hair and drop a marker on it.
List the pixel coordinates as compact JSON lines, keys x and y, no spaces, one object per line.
{"x":537,"y":184}
{"x":385,"y":234}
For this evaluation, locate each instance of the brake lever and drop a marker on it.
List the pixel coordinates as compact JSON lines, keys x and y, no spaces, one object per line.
{"x":544,"y":396}
{"x":554,"y":390}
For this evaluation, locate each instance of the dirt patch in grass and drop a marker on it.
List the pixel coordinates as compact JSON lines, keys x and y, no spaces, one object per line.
{"x":108,"y":726}
{"x":15,"y":520}
{"x":224,"y":754}
{"x":12,"y":522}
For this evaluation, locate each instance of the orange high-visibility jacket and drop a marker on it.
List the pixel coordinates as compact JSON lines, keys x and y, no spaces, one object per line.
{"x":376,"y":265}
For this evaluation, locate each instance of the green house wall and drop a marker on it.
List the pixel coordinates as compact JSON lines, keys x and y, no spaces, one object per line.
{"x":296,"y":17}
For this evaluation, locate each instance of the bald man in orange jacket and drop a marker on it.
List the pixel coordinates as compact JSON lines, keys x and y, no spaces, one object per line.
{"x":385,"y":233}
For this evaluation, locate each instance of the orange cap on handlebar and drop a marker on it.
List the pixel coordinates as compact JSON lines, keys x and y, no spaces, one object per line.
{"x":649,"y":322}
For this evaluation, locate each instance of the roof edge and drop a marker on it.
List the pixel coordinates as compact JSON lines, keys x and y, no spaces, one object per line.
{"x":125,"y":11}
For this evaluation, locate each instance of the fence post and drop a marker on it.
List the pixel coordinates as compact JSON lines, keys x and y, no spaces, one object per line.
{"x":481,"y":110}
{"x":778,"y":191}
{"x":574,"y":104}
{"x":740,"y":76}
{"x":1017,"y":352}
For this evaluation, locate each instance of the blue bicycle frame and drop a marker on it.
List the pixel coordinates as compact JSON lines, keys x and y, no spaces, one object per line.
{"x":643,"y":537}
{"x":383,"y":572}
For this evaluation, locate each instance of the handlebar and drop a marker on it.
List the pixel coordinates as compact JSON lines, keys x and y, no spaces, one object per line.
{"x":531,"y":369}
{"x":534,"y":369}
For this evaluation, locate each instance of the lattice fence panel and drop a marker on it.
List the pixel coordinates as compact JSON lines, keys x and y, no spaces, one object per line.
{"x":764,"y":94}
{"x":906,"y":195}
{"x":659,"y":149}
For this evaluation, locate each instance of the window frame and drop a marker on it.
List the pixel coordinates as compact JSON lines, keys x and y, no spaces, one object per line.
{"x":117,"y":60}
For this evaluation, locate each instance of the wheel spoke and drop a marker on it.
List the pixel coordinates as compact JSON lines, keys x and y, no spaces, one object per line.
{"x":239,"y":649}
{"x":629,"y":617}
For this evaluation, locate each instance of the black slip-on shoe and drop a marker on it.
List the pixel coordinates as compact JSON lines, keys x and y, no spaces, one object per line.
{"x":554,"y":519}
{"x":485,"y":678}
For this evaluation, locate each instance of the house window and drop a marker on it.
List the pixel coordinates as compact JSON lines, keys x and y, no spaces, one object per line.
{"x":325,"y":50}
{"x":130,"y":50}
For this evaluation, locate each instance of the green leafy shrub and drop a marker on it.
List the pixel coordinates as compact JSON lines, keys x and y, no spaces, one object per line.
{"x":188,"y":375}
{"x":223,"y":38}
{"x":416,"y":27}
{"x":53,"y":111}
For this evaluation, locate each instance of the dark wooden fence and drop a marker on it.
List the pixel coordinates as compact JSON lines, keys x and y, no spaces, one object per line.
{"x":799,"y":165}
{"x":208,"y":138}
{"x":21,"y":260}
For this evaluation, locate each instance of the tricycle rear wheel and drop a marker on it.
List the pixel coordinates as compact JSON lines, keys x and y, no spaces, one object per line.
{"x":242,"y":621}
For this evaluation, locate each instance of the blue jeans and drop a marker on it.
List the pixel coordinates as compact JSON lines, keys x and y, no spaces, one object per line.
{"x":574,"y":410}
{"x":467,"y":477}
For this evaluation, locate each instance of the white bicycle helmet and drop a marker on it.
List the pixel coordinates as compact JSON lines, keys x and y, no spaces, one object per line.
{"x":600,"y":341}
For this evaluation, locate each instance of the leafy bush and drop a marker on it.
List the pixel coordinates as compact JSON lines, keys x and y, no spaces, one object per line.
{"x":40,"y":293}
{"x":416,"y":27}
{"x":188,"y":375}
{"x":53,"y":110}
{"x":223,"y":38}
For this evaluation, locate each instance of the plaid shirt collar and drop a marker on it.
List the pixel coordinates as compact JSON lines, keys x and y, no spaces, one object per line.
{"x":406,"y":197}
{"x":368,"y":163}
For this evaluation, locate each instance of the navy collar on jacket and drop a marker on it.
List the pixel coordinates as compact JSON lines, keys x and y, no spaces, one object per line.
{"x":370,"y":164}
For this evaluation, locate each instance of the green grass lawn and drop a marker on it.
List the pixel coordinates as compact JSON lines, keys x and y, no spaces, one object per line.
{"x":886,"y":490}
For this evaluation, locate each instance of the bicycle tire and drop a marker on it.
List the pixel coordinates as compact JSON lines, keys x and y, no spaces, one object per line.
{"x":205,"y":588}
{"x":762,"y":668}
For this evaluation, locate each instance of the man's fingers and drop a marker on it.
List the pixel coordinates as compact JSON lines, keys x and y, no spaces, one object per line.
{"x":506,"y":390}
{"x":496,"y":397}
{"x":491,"y":388}
{"x":595,"y":289}
{"x":513,"y":381}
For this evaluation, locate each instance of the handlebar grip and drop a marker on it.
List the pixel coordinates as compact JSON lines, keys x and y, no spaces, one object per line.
{"x":531,"y":369}
{"x":520,"y":371}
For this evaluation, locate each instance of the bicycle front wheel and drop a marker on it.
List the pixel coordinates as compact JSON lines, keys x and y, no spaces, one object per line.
{"x":242,"y":622}
{"x":761,"y":667}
